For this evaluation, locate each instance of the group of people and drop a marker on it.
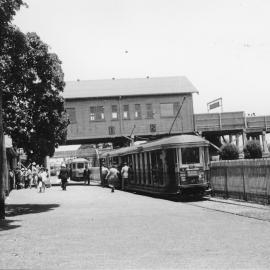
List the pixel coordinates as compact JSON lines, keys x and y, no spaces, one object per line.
{"x":27,"y":177}
{"x":113,"y":175}
{"x":38,"y":176}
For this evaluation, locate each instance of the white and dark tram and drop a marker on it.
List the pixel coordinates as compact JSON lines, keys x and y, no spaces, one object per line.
{"x":174,"y":165}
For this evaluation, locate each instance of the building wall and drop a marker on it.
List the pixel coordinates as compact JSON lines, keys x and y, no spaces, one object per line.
{"x":83,"y":128}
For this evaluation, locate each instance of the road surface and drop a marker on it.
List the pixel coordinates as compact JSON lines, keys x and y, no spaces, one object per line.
{"x":88,"y":227}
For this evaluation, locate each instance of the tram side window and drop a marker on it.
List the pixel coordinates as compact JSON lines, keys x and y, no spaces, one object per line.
{"x":190,"y":155}
{"x":143,"y":169}
{"x":138,"y":169}
{"x":157,"y":167}
{"x":134,"y":168}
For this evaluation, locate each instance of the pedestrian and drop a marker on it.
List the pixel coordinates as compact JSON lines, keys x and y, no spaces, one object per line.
{"x":104,"y":172}
{"x":86,"y":174}
{"x":63,"y":175}
{"x":39,"y":182}
{"x":18,"y":177}
{"x":48,"y":180}
{"x":29,"y":176}
{"x":113,"y":177}
{"x":11,"y":177}
{"x":44,"y":176}
{"x":124,"y":174}
{"x":35,"y":174}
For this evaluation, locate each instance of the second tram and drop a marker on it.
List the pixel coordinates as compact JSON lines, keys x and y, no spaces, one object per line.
{"x":170,"y":166}
{"x":77,"y":167}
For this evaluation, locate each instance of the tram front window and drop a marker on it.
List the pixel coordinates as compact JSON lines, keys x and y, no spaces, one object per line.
{"x":80,"y":165}
{"x":190,"y":155}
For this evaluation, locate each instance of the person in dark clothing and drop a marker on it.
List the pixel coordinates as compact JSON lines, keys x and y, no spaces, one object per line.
{"x":86,"y":175}
{"x":18,"y":178}
{"x":11,"y":177}
{"x":63,"y":175}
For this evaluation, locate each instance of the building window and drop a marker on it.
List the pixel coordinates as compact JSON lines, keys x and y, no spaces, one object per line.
{"x":138,"y":111}
{"x":114,"y":112}
{"x":125,"y":111}
{"x":149,"y":111}
{"x":97,"y":113}
{"x":153,"y":128}
{"x":71,"y":113}
{"x":169,"y":109}
{"x":111,"y":130}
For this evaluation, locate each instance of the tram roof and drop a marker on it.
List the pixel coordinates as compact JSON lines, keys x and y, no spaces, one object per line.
{"x":178,"y":140}
{"x":79,"y":160}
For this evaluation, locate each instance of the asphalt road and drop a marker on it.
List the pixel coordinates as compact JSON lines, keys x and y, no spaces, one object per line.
{"x":88,"y":227}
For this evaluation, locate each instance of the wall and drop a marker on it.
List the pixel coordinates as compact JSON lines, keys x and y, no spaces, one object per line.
{"x":241,"y":179}
{"x":86,"y":129}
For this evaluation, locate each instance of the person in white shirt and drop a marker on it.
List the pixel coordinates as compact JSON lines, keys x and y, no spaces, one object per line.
{"x":124,"y":174}
{"x":112,"y":177}
{"x":42,"y":180}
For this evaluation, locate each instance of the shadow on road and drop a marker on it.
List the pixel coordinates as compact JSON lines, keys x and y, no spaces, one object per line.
{"x":13,"y":210}
{"x":24,"y":209}
{"x":172,"y":198}
{"x":7,"y":225}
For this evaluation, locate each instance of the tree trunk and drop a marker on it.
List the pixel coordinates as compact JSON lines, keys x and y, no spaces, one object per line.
{"x":2,"y":174}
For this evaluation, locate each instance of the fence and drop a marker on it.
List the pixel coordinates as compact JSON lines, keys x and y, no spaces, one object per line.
{"x":241,"y":179}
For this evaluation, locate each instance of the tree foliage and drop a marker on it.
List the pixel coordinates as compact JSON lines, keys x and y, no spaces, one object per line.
{"x":32,"y":81}
{"x":8,"y":9}
{"x":253,"y":149}
{"x":229,"y":151}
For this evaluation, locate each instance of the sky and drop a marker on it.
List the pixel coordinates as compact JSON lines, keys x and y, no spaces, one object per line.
{"x":221,"y":46}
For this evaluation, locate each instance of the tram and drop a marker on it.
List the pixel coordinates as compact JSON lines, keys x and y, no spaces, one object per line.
{"x":77,"y":167}
{"x":174,"y":165}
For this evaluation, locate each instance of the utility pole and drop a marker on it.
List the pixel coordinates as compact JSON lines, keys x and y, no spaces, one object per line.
{"x":2,"y":174}
{"x":184,"y":98}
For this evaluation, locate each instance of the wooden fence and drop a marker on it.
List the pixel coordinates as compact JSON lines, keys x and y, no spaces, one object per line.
{"x":241,"y":179}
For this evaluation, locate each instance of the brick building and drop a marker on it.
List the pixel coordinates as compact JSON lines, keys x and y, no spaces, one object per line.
{"x":112,"y":110}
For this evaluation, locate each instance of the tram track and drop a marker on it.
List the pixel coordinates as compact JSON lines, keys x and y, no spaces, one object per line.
{"x":235,"y":208}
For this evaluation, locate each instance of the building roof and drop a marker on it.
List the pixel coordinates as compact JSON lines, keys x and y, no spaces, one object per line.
{"x":128,"y":87}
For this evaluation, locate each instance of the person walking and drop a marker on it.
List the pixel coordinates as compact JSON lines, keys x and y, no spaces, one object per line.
{"x":64,"y":175}
{"x":34,"y":174}
{"x":42,"y":179}
{"x":86,"y":174}
{"x":18,"y":178}
{"x":29,"y":177}
{"x":11,"y":177}
{"x":124,"y":174}
{"x":104,"y":172}
{"x":112,"y":177}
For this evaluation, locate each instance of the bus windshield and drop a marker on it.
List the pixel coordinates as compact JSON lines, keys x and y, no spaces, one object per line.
{"x":190,"y":155}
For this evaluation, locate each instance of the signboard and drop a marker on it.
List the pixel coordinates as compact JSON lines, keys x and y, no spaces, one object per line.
{"x":214,"y":104}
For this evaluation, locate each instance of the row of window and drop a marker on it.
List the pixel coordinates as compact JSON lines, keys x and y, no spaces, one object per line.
{"x":153,"y":129}
{"x":97,"y":113}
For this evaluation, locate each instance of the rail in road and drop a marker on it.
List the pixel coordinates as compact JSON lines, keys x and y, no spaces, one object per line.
{"x":248,"y":210}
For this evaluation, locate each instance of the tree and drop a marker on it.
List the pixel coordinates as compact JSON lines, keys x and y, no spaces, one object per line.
{"x":34,"y":108}
{"x":229,"y":151}
{"x":8,"y":9}
{"x":253,"y":149}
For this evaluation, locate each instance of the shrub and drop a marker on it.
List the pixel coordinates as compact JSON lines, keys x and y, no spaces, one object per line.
{"x":253,"y":149}
{"x":229,"y":151}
